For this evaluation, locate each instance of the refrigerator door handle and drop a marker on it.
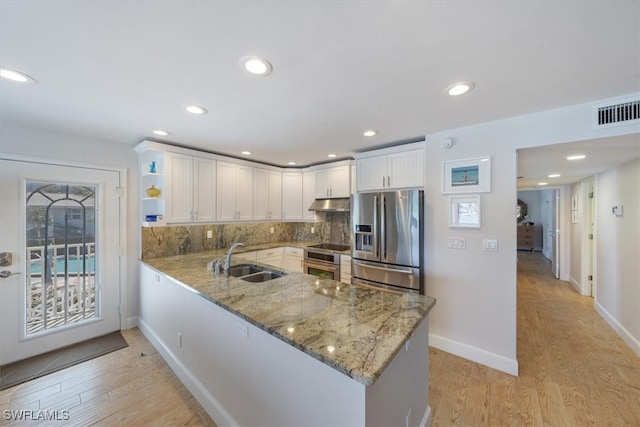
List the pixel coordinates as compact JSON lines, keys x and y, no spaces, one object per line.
{"x":391,"y":270}
{"x":375,"y":226}
{"x":383,"y":228}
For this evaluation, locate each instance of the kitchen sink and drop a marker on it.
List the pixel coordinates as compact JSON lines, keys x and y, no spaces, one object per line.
{"x":244,"y":270}
{"x":263,"y":276}
{"x":254,"y":273}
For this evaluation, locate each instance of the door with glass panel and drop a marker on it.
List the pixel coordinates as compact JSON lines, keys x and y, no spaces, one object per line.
{"x":60,"y":278}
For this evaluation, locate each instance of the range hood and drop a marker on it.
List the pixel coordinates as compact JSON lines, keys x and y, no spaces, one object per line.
{"x":331,"y":205}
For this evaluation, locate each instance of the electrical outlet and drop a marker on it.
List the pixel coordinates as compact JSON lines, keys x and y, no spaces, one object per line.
{"x":209,"y":234}
{"x":313,"y":230}
{"x":272,"y":230}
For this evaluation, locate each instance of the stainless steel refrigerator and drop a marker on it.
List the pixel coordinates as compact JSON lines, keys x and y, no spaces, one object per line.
{"x":388,"y":240}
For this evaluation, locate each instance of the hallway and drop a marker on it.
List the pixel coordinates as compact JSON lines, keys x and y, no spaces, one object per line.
{"x":574,"y":369}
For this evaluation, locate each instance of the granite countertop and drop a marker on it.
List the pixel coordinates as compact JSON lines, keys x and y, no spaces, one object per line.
{"x":355,"y":330}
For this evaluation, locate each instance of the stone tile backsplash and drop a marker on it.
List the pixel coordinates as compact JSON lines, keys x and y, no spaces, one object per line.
{"x":178,"y":240}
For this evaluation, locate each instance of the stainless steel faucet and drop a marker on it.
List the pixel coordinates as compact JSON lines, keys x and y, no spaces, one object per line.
{"x":227,"y":261}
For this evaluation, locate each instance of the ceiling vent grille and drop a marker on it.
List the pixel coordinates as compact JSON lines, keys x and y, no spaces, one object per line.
{"x":621,"y":113}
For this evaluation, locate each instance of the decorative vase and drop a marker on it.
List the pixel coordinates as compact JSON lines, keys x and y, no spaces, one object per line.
{"x":153,"y":191}
{"x":152,"y":167}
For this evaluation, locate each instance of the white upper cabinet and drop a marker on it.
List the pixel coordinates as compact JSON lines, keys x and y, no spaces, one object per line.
{"x":234,"y":192}
{"x":395,"y":169}
{"x":190,"y":188}
{"x":204,"y":190}
{"x":267,"y":194}
{"x":333,"y":182}
{"x":292,"y":195}
{"x":308,"y":194}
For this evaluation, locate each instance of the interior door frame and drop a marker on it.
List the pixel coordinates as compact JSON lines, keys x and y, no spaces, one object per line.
{"x":123,"y":225}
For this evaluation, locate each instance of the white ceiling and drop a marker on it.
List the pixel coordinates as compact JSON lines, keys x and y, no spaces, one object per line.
{"x":116,"y":70}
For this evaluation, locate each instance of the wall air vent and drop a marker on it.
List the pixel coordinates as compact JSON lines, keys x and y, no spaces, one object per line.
{"x":616,"y":114}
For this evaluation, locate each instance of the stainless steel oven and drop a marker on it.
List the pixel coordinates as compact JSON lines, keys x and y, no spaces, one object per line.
{"x":323,"y":261}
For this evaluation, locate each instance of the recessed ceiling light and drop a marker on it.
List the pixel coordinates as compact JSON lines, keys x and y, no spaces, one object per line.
{"x":370,"y":132}
{"x":553,"y":175}
{"x":459,"y":88}
{"x":576,"y":157}
{"x":256,"y":65}
{"x":195,"y":109}
{"x":15,"y":76}
{"x":291,"y":163}
{"x":246,"y":153}
{"x":331,"y":155}
{"x":542,"y":183}
{"x":161,"y":132}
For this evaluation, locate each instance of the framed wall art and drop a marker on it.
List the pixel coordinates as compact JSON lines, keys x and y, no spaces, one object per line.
{"x":465,"y":211}
{"x":467,"y":176}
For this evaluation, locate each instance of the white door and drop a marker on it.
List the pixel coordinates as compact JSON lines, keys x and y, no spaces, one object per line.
{"x":555,"y":229}
{"x":61,"y":226}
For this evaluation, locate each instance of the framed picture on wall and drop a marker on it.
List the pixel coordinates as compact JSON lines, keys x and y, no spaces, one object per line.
{"x":465,"y":211}
{"x":467,"y":176}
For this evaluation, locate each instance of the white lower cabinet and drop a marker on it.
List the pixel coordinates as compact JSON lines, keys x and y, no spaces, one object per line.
{"x":345,"y":269}
{"x":242,"y":375}
{"x":271,"y":257}
{"x":293,"y":258}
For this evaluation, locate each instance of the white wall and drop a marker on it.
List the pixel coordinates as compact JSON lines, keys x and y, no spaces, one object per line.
{"x":476,"y":291}
{"x":617,"y":269}
{"x":71,"y":148}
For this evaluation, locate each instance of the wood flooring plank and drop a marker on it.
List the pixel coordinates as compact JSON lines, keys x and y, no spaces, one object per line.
{"x":574,"y":369}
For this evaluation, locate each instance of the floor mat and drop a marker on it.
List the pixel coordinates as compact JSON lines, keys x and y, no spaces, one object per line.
{"x":18,"y":372}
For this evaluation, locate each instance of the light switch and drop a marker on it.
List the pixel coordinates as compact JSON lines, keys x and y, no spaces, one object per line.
{"x":209,"y":234}
{"x":489,"y":245}
{"x":457,"y":243}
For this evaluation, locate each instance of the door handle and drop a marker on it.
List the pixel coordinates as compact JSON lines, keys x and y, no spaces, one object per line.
{"x":6,"y":273}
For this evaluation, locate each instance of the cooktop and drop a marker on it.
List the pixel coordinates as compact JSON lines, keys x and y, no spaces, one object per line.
{"x":330,"y":247}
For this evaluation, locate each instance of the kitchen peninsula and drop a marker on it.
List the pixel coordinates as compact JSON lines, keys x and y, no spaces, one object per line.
{"x":296,"y":350}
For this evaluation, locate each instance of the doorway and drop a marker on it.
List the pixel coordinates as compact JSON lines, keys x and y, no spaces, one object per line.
{"x":59,"y":226}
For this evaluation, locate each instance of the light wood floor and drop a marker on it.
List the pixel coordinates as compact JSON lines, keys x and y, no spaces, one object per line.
{"x":120,"y":388}
{"x":574,"y":369}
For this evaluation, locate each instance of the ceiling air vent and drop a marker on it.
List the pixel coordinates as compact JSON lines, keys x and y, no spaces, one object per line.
{"x":618,"y":114}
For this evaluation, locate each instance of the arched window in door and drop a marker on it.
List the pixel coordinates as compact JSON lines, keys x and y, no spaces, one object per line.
{"x":61,"y":245}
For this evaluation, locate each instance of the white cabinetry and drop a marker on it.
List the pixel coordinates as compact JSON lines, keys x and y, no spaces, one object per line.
{"x":267,"y":194}
{"x":271,"y":257}
{"x":333,"y":182}
{"x":190,"y":185}
{"x":293,"y":259}
{"x":345,"y":268}
{"x":391,"y":169}
{"x":292,"y":195}
{"x":308,"y":194}
{"x":234,"y":195}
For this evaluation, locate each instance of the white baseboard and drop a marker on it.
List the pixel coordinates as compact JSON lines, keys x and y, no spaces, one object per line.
{"x":202,"y":395}
{"x":632,"y":341}
{"x":130,"y":322}
{"x":426,"y":418}
{"x":576,"y":285}
{"x":492,"y":360}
